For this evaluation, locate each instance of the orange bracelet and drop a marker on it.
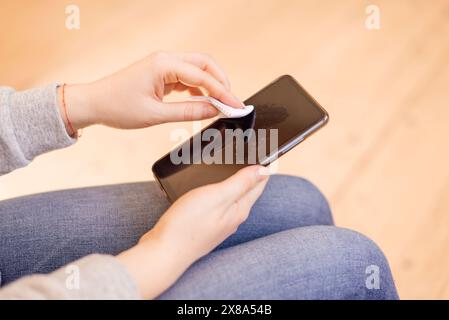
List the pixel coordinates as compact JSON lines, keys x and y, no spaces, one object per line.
{"x":74,"y":133}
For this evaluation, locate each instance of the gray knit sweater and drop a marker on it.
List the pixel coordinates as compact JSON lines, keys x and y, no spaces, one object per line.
{"x":30,"y":124}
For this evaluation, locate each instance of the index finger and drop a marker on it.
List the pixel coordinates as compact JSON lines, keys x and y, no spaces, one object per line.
{"x":208,"y":64}
{"x":193,"y":76}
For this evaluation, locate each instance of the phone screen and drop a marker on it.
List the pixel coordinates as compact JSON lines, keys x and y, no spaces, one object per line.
{"x":284,"y":114}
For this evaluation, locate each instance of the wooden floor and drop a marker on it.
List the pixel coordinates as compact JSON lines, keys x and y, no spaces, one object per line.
{"x":383,"y":159}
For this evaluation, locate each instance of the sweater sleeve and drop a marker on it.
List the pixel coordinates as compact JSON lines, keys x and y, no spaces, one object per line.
{"x":92,"y":277}
{"x":30,"y":124}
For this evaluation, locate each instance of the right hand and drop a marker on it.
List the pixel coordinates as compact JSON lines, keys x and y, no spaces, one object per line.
{"x":134,"y":97}
{"x":192,"y":227}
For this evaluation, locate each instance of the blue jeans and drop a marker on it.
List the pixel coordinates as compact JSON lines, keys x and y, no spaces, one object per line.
{"x":287,"y":249}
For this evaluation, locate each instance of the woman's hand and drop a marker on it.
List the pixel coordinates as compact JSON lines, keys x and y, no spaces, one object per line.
{"x":192,"y":227}
{"x":133,"y":97}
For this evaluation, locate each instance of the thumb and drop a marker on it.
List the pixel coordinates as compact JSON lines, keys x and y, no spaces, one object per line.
{"x":187,"y":111}
{"x":238,"y":185}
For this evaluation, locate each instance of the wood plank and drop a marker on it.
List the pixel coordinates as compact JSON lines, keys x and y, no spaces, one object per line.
{"x":427,"y":274}
{"x":366,"y":81}
{"x":395,"y":192}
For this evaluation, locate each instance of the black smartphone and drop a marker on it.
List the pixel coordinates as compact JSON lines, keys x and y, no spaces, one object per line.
{"x":284,"y":115}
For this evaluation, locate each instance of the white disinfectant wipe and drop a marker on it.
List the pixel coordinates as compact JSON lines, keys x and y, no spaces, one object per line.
{"x":227,"y":111}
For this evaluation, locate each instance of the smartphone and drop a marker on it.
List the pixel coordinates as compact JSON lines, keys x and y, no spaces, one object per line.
{"x":284,"y":115}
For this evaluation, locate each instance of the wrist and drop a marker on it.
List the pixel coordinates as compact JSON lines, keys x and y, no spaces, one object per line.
{"x":75,"y":103}
{"x":153,"y":266}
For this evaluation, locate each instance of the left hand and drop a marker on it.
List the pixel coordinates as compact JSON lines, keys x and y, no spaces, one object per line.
{"x":192,"y":227}
{"x":133,"y":97}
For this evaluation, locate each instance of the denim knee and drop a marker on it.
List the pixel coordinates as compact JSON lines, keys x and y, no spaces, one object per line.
{"x":317,"y":262}
{"x":356,"y":263}
{"x":295,"y":199}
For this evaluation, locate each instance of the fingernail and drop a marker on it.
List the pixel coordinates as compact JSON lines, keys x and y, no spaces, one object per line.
{"x":210,"y":112}
{"x":239,"y":103}
{"x":263,"y":171}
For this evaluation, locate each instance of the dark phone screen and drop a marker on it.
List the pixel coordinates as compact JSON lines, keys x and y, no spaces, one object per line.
{"x":283,"y":106}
